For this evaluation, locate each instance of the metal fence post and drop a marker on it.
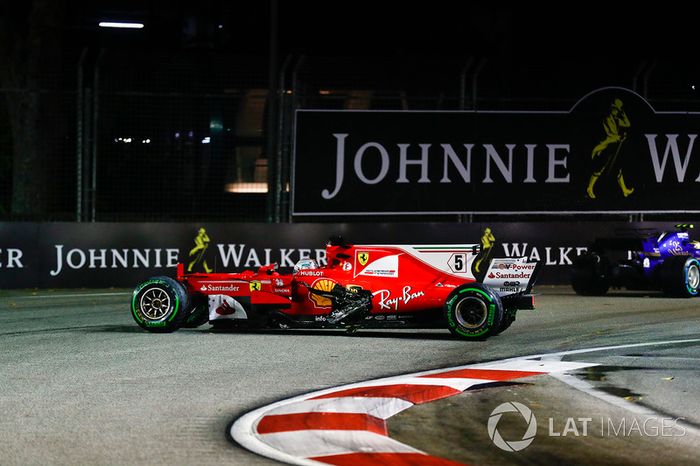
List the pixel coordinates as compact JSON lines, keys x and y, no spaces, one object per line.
{"x":95,"y":136}
{"x":462,"y":105}
{"x":645,"y":92}
{"x":635,"y":80}
{"x":272,"y":115}
{"x":79,"y":141}
{"x":463,"y":83}
{"x":475,"y":79}
{"x":280,"y":178}
{"x":87,"y":148}
{"x":292,"y":122}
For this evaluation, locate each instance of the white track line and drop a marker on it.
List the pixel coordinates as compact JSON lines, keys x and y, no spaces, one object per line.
{"x":589,"y":389}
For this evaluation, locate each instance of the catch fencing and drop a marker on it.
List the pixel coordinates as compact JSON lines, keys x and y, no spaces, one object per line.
{"x":200,"y":135}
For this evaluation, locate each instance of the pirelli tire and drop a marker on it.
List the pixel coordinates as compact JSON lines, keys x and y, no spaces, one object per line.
{"x":589,"y":275}
{"x":160,"y":305}
{"x":680,"y":276}
{"x":473,"y":312}
{"x":508,"y":319}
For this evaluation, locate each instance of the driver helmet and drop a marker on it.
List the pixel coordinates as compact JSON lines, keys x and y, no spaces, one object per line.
{"x":305,"y":264}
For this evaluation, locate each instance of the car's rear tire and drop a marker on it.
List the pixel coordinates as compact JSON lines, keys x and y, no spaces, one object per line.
{"x":473,"y":311}
{"x":508,"y":319}
{"x":159,"y":305}
{"x":589,"y":275}
{"x":680,"y":276}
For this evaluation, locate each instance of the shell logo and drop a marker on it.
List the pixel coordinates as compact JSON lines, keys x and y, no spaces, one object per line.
{"x":322,"y":284}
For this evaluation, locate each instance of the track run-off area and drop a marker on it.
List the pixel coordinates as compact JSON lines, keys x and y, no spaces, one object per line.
{"x":80,"y":383}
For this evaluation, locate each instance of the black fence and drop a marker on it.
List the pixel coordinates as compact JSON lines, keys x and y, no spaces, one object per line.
{"x":190,"y":135}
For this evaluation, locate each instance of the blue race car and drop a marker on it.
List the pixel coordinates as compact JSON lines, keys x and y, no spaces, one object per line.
{"x":649,"y":260}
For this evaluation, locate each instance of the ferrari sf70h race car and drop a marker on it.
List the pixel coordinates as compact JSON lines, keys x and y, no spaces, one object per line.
{"x":642,"y":260}
{"x":360,"y":287}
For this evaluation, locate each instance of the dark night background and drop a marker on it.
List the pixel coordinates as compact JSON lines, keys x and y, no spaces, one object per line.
{"x":542,"y":29}
{"x":193,"y":83}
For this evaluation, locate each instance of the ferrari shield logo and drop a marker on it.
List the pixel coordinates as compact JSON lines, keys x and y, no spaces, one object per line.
{"x":363,"y":258}
{"x":255,"y":285}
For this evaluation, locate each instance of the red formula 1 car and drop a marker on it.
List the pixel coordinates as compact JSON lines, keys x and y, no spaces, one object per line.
{"x":361,"y":286}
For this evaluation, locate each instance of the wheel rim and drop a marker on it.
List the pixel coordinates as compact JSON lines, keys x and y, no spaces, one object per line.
{"x":155,"y":304}
{"x":693,"y":276}
{"x":471,"y":312}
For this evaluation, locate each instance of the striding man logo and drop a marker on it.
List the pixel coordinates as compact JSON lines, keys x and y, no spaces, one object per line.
{"x":197,"y":253}
{"x":607,"y":153}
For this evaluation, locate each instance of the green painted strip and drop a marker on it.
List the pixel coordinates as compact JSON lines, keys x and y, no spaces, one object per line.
{"x":133,"y":308}
{"x":482,"y":292}
{"x":177,"y":306}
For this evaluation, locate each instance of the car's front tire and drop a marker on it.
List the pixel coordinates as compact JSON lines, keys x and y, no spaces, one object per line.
{"x":159,"y":305}
{"x":198,"y":312}
{"x":680,"y":276}
{"x":473,"y":311}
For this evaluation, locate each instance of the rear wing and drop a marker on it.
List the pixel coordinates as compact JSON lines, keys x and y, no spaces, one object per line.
{"x":509,"y":276}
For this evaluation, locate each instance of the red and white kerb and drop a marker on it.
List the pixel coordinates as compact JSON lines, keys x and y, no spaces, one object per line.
{"x":348,"y":425}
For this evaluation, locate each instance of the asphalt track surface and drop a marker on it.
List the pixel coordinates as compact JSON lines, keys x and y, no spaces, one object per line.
{"x":80,"y":383}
